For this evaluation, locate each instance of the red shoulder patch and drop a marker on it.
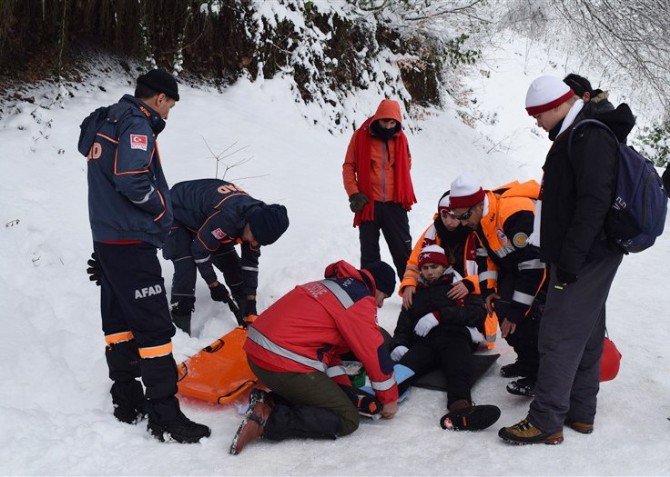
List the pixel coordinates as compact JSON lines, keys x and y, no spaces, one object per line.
{"x":138,"y":141}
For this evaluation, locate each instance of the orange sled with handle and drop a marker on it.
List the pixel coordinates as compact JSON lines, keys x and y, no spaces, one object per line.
{"x":219,"y":373}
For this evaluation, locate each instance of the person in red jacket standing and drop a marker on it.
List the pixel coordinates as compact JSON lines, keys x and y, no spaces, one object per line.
{"x":378,"y":182}
{"x":294,"y":348}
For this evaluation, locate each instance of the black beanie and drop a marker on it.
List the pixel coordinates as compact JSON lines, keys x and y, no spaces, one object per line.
{"x":268,"y":223}
{"x":161,"y":81}
{"x":384,"y":276}
{"x":579,"y":84}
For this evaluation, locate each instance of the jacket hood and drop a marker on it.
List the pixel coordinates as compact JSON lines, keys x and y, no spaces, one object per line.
{"x":620,"y":119}
{"x":343,"y":269}
{"x":530,"y":189}
{"x":388,"y":109}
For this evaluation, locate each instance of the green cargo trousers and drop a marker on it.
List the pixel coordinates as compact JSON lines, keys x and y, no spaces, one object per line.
{"x":310,"y":394}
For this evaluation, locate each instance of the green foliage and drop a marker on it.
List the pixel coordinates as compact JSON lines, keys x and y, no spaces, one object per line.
{"x":456,"y":55}
{"x":655,"y":141}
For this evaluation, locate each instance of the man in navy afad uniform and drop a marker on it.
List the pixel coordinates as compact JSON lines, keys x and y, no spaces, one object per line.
{"x":130,"y":213}
{"x":211,"y":217}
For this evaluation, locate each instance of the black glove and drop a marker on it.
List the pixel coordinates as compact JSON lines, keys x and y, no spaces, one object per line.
{"x":219,"y":293}
{"x":94,"y":271}
{"x":357,"y":201}
{"x":564,"y":278}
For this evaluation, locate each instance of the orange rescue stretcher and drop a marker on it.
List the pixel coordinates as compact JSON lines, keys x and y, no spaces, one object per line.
{"x":219,"y":373}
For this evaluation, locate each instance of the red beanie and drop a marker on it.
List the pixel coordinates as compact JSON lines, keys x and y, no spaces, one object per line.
{"x":433,"y":254}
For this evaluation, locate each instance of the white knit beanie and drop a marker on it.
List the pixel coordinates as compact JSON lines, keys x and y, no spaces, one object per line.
{"x":545,"y":93}
{"x":466,"y":191}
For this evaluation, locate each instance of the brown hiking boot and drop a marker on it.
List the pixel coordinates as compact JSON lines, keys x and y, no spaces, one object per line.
{"x":581,"y":427}
{"x":524,"y":432}
{"x":252,"y":427}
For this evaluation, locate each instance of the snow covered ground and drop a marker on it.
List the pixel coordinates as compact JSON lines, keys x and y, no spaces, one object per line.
{"x":55,"y":410}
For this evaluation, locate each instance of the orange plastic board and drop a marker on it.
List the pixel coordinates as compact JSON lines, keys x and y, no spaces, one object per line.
{"x":218,"y":373}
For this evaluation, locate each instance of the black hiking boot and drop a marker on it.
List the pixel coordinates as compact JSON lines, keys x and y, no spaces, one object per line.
{"x":522,"y":387}
{"x":516,"y":369}
{"x":128,"y":400}
{"x":468,"y":417}
{"x":167,"y":422}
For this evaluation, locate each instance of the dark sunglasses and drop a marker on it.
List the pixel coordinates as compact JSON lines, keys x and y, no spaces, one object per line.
{"x":465,"y":215}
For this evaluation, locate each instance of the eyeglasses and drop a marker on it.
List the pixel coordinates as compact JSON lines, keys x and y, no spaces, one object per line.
{"x":465,"y":215}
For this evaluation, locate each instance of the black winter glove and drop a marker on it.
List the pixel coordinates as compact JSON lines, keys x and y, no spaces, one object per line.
{"x":94,"y":271}
{"x":357,"y":201}
{"x":219,"y":293}
{"x":564,"y":278}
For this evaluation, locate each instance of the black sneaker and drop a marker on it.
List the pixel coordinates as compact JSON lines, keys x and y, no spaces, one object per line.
{"x":128,"y":400}
{"x":522,"y":387}
{"x":514,"y":370}
{"x":473,"y":418}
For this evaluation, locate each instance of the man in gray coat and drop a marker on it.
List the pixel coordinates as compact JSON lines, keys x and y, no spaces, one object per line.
{"x":576,"y":195}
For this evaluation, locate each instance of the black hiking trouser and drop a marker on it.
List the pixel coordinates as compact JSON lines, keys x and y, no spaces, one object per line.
{"x":306,"y":405}
{"x":391,"y":219}
{"x":449,"y":349}
{"x":571,"y":343}
{"x":137,"y":324}
{"x":525,"y":336}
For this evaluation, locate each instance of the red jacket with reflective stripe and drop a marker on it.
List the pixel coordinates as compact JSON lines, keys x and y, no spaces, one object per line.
{"x":317,"y":322}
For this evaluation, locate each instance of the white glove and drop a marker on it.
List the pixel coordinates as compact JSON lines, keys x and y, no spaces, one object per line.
{"x":425,"y":324}
{"x":398,"y":352}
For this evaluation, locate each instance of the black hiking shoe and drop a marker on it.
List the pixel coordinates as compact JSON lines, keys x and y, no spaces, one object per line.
{"x":522,"y":387}
{"x":167,"y":422}
{"x":181,"y":430}
{"x":473,"y":418}
{"x":128,"y":400}
{"x":514,"y":370}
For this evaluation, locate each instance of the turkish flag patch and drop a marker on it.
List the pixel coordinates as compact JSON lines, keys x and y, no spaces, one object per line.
{"x":218,"y":234}
{"x":138,"y":141}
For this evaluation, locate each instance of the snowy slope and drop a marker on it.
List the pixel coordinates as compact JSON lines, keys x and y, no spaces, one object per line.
{"x":55,"y":411}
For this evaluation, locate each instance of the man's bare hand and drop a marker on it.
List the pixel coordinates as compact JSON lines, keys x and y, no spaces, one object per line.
{"x":408,"y":296}
{"x":458,"y":291}
{"x":489,"y":302}
{"x":389,"y":410}
{"x":507,"y":328}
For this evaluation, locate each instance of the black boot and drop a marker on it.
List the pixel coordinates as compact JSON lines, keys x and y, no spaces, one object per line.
{"x":167,"y":422}
{"x":123,"y":360}
{"x":129,"y":402}
{"x":522,"y":387}
{"x":181,"y":311}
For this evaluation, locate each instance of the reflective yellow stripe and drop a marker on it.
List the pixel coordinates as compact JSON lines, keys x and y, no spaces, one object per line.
{"x":119,"y":337}
{"x":156,"y":351}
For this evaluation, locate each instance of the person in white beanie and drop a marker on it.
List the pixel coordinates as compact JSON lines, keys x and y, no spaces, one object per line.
{"x":511,"y":276}
{"x":460,"y":244}
{"x":577,"y":189}
{"x":439,"y":332}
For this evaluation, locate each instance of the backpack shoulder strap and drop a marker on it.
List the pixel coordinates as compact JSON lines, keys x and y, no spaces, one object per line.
{"x":586,"y":122}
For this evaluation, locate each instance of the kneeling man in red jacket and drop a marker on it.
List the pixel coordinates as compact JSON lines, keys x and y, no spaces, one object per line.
{"x":294,"y":348}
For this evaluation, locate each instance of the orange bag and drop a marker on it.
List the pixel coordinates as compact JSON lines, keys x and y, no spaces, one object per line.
{"x":609,"y":361}
{"x":219,"y":373}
